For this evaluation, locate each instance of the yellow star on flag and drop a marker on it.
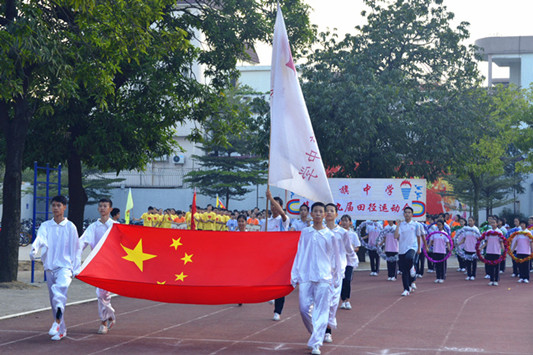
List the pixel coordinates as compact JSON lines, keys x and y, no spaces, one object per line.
{"x":180,"y":277}
{"x":136,"y":255}
{"x":161,"y":282}
{"x":176,"y":243}
{"x":187,"y":259}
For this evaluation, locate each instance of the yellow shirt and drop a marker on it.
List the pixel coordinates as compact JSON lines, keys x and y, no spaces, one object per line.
{"x":188,"y":219}
{"x":166,"y":221}
{"x":209,"y":221}
{"x":225,"y":226}
{"x":156,"y":220}
{"x":199,"y":220}
{"x":147,"y":220}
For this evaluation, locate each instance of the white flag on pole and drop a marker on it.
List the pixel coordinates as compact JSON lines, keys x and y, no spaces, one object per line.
{"x":295,"y":161}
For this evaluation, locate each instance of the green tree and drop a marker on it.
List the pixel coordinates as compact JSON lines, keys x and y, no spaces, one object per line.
{"x":41,"y":65}
{"x":90,"y":70}
{"x":395,"y":94}
{"x":232,"y":166}
{"x":492,"y":146}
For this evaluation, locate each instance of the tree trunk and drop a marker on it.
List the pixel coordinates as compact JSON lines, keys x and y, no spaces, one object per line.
{"x":77,"y":196}
{"x":15,"y":131}
{"x":476,"y":185}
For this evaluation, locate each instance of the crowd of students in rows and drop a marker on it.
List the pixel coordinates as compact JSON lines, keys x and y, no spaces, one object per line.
{"x":208,"y":218}
{"x":440,"y":232}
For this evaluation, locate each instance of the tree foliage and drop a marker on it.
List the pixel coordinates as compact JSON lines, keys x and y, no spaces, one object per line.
{"x":491,"y":169}
{"x":231,"y":167}
{"x":391,"y":100}
{"x":107,"y":80}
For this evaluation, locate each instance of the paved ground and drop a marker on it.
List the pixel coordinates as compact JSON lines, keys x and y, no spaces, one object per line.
{"x":449,"y":318}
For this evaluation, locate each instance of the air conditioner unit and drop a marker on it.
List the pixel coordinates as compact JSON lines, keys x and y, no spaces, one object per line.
{"x":178,"y":159}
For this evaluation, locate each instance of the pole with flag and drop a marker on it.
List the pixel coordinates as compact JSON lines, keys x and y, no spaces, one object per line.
{"x":193,"y":211}
{"x":295,"y":163}
{"x":220,"y":204}
{"x":129,"y":207}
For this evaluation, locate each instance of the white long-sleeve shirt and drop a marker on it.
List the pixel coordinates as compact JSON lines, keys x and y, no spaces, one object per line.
{"x":346,"y":253}
{"x":94,"y":233}
{"x":60,"y":245}
{"x":317,"y":258}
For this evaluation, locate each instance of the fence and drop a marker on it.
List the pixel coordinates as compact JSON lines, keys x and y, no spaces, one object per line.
{"x":155,"y":177}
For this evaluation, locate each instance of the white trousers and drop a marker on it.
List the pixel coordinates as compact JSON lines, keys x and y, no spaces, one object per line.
{"x":58,"y":282}
{"x":335,"y":299}
{"x":105,"y":310}
{"x":315,"y":299}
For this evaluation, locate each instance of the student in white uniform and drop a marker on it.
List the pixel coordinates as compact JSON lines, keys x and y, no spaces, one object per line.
{"x":92,"y":235}
{"x":346,"y":223}
{"x":278,"y":222}
{"x":58,"y":241}
{"x":409,"y":234}
{"x":302,"y":222}
{"x":316,"y":267}
{"x":347,"y":258}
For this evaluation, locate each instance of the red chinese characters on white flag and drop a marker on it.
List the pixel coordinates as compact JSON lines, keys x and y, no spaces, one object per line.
{"x":295,"y":162}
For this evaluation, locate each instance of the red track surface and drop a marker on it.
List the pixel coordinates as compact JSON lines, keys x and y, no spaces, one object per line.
{"x":454,"y":317}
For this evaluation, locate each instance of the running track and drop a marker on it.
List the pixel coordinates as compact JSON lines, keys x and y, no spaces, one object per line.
{"x":454,"y":317}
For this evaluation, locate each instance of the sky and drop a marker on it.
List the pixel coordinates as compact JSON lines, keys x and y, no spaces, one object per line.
{"x":487,"y":18}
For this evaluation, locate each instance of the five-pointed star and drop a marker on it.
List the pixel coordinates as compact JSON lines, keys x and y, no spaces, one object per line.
{"x":176,"y":243}
{"x":181,"y":277}
{"x":136,"y":255}
{"x":187,"y":259}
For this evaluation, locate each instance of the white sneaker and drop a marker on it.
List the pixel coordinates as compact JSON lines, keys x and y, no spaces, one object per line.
{"x":491,"y":283}
{"x":393,"y":279}
{"x":501,"y":272}
{"x":513,"y":275}
{"x":431,"y":270}
{"x":495,"y":283}
{"x":441,"y":281}
{"x":413,"y":286}
{"x":405,"y":293}
{"x":328,"y":338}
{"x":271,"y":302}
{"x":54,"y":329}
{"x":103,"y":329}
{"x":487,"y":276}
{"x":458,"y":270}
{"x":467,"y":278}
{"x":316,"y":350}
{"x":59,"y":336}
{"x":389,"y":278}
{"x":472,"y":278}
{"x":436,"y":281}
{"x":343,"y":305}
{"x":520,"y":281}
{"x":526,"y":281}
{"x":347,"y":305}
{"x":463,"y":269}
{"x":276,"y":316}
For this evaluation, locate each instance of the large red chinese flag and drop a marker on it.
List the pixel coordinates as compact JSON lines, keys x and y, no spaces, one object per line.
{"x":196,"y":267}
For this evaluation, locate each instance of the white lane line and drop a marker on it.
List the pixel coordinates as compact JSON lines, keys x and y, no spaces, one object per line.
{"x":254,"y":334}
{"x":459,"y":313}
{"x":162,"y":330}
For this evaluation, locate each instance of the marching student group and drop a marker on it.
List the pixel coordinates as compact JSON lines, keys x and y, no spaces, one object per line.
{"x":325,"y":259}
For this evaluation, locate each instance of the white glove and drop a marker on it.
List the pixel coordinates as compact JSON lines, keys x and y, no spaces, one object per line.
{"x":33,"y":254}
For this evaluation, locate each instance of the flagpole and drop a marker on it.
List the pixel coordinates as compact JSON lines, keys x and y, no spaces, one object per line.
{"x":270,"y":142}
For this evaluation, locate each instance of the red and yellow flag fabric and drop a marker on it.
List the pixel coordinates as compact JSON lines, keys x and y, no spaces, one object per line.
{"x":193,"y":267}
